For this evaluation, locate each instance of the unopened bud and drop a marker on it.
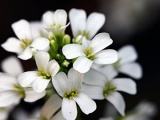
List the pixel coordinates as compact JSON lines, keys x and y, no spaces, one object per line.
{"x":54,"y":45}
{"x":66,"y":40}
{"x":78,"y":39}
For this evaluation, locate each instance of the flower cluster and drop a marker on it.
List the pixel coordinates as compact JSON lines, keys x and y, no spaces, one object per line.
{"x":77,"y":69}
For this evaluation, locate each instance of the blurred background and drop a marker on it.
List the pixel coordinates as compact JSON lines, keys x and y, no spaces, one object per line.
{"x":135,"y":22}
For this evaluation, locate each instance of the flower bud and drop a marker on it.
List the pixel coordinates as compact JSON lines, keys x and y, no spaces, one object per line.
{"x":78,"y":39}
{"x":66,"y":40}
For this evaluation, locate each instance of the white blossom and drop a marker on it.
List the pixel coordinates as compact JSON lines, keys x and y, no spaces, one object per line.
{"x":98,"y":86}
{"x":10,"y":90}
{"x":91,"y":52}
{"x":87,"y":27}
{"x":55,"y":21}
{"x":25,"y":45}
{"x":40,"y":79}
{"x":69,"y":89}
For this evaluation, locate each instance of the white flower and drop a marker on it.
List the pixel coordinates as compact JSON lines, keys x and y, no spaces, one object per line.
{"x":126,"y":64}
{"x":39,"y":80}
{"x":91,"y":52}
{"x":55,"y":21}
{"x":86,"y":27}
{"x":10,"y":90}
{"x":97,"y":86}
{"x":24,"y":44}
{"x":69,"y":89}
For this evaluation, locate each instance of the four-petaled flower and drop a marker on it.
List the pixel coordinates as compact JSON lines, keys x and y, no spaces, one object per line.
{"x":91,"y":52}
{"x":97,"y":86}
{"x":25,"y":45}
{"x":55,"y":21}
{"x":10,"y":90}
{"x":69,"y":88}
{"x":40,"y":79}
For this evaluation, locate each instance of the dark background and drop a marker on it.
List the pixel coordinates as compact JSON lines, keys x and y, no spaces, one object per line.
{"x":145,"y":37}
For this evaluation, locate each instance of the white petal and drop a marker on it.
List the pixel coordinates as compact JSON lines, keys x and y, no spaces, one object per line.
{"x":36,"y":28}
{"x":9,"y":65}
{"x":26,"y":54}
{"x":7,"y":82}
{"x":73,"y":50}
{"x":86,"y":104}
{"x":27,"y":78}
{"x":93,"y":91}
{"x":100,"y":41}
{"x":40,"y":84}
{"x":61,"y":84}
{"x":69,"y":109}
{"x":42,"y":59}
{"x":40,"y":43}
{"x":106,"y":57}
{"x":60,"y":17}
{"x":93,"y":77}
{"x":8,"y":98}
{"x":58,"y":116}
{"x":53,"y":67}
{"x":75,"y":79}
{"x":22,"y":30}
{"x":13,"y":45}
{"x":109,"y":71}
{"x":48,"y":18}
{"x":132,"y":69}
{"x":118,"y":102}
{"x":51,"y":106}
{"x":32,"y":96}
{"x":125,"y":84}
{"x":82,"y":64}
{"x":127,"y":54}
{"x":78,"y":20}
{"x":94,"y":22}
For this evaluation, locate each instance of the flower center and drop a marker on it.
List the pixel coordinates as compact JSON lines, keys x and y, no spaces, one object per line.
{"x":19,"y":89}
{"x":84,"y":33}
{"x":42,"y":73}
{"x":108,"y":89}
{"x":71,"y":94}
{"x":116,"y":64}
{"x":88,"y":53}
{"x":58,"y":26}
{"x":25,"y":43}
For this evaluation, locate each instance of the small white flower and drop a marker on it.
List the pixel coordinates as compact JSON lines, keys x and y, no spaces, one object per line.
{"x":24,"y":44}
{"x":85,"y":27}
{"x":69,"y":89}
{"x":40,"y":79}
{"x":10,"y":90}
{"x":126,"y":64}
{"x":91,"y":52}
{"x":55,"y":21}
{"x":97,"y":86}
